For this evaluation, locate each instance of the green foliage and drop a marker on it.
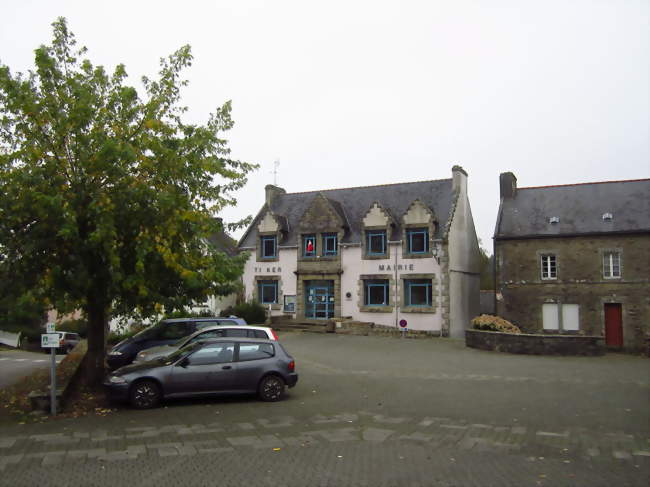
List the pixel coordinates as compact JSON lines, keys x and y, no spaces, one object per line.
{"x":487,"y":268}
{"x":107,"y":197}
{"x":206,"y":313}
{"x":79,"y":326}
{"x":253,"y":312}
{"x":494,"y":323}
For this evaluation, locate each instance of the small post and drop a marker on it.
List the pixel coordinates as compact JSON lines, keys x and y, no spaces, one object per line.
{"x":53,"y":382}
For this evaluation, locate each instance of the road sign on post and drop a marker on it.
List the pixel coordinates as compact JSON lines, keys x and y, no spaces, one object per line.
{"x":50,"y":328}
{"x":51,"y":341}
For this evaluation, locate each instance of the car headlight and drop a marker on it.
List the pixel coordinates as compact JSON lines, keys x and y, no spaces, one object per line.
{"x":116,"y":379}
{"x":115,"y":353}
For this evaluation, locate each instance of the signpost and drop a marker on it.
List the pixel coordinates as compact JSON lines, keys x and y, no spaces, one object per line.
{"x":51,"y":340}
{"x":403,"y":329}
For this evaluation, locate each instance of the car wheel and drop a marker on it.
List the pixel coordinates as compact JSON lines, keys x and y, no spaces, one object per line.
{"x":145,"y":394}
{"x":271,"y":388}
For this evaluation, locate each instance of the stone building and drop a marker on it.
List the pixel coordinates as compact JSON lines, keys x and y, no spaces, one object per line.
{"x":384,"y":254}
{"x":575,"y":259}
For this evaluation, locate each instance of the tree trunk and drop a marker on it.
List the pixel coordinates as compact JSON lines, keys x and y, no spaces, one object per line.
{"x":97,"y":320}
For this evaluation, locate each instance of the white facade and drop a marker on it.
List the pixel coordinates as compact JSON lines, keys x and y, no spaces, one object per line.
{"x":313,"y":255}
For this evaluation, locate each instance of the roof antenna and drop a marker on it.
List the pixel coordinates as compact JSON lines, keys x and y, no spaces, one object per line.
{"x":276,"y":164}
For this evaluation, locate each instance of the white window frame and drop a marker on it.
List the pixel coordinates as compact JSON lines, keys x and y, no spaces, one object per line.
{"x":545,"y":267}
{"x":611,"y":261}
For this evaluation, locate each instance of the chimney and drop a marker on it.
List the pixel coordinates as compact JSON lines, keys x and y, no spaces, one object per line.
{"x":459,"y":179}
{"x":272,"y":192}
{"x":508,"y":185}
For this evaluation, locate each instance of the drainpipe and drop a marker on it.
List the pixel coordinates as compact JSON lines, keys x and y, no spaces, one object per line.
{"x":399,"y":246}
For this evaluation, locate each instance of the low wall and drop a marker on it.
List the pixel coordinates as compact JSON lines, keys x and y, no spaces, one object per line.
{"x":535,"y":344}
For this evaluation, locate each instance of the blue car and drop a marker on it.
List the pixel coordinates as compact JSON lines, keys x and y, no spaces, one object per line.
{"x":166,"y":332}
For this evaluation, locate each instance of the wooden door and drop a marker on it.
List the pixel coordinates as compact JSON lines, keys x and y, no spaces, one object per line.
{"x":613,"y":325}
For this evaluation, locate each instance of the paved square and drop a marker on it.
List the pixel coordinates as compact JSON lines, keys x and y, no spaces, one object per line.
{"x":370,"y":411}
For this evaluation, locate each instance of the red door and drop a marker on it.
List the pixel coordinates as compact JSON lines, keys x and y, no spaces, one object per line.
{"x":613,"y":325}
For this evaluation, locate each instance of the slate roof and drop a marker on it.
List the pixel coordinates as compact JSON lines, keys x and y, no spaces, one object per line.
{"x":580,"y":208}
{"x":354,"y":203}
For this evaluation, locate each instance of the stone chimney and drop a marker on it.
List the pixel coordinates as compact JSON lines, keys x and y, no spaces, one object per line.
{"x":272,"y":192}
{"x":459,"y":179}
{"x":508,"y":185}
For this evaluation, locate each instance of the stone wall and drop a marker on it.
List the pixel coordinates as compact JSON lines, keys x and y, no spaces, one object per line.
{"x":535,"y":344}
{"x":521,"y":292}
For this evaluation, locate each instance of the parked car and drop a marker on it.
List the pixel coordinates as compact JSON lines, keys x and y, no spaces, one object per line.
{"x":164,"y":333}
{"x":211,"y":332}
{"x":224,"y":366}
{"x":67,"y":341}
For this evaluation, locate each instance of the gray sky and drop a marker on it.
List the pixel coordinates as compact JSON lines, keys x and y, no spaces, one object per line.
{"x":355,"y":93}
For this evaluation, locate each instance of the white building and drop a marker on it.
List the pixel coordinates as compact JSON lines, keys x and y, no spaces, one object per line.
{"x":392,"y":254}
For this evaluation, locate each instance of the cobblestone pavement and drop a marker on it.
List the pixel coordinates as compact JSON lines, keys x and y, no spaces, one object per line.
{"x":443,"y":416}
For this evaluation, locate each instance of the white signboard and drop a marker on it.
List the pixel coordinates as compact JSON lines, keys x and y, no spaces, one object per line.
{"x":50,"y":340}
{"x":49,"y":328}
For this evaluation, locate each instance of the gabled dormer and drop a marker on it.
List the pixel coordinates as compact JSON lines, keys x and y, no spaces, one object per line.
{"x":418,"y":227}
{"x":270,"y":230}
{"x":378,"y":225}
{"x":321,"y":228}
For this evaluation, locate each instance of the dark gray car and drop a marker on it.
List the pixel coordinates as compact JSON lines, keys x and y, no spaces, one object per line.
{"x":223,"y":366}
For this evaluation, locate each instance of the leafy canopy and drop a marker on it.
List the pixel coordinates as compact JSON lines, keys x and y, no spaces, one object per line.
{"x":107,"y":197}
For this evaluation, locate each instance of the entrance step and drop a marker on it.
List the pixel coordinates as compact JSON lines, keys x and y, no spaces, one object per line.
{"x":303,"y":326}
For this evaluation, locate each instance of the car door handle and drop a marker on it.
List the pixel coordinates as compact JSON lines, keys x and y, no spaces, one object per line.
{"x":226,"y":367}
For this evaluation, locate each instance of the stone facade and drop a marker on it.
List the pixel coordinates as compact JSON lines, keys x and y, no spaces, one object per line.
{"x":575,"y":259}
{"x":521,"y":292}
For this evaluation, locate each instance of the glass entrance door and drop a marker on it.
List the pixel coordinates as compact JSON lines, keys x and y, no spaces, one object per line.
{"x":319,"y":299}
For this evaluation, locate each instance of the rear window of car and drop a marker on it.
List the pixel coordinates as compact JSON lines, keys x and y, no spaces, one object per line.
{"x":173,"y":331}
{"x":236,"y":333}
{"x":255,"y":351}
{"x":257,"y":334}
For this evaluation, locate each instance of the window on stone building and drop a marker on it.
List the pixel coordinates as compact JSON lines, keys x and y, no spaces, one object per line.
{"x":376,"y":242}
{"x":417,"y":292}
{"x":561,"y":317}
{"x":417,"y":240}
{"x":330,"y":246}
{"x":309,"y":245}
{"x":549,"y":267}
{"x":376,"y":292}
{"x":611,"y":265}
{"x":269,"y":246}
{"x":268,"y":292}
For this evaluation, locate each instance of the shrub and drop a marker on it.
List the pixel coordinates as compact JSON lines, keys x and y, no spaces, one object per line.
{"x":494,"y":323}
{"x":253,"y":312}
{"x":205,"y":313}
{"x":79,"y":326}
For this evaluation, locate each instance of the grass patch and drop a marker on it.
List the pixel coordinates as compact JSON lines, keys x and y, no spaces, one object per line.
{"x":14,"y":401}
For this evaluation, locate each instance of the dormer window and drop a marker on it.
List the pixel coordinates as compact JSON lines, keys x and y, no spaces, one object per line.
{"x":417,"y":240}
{"x":376,"y":242}
{"x":269,"y":244}
{"x":309,"y":245}
{"x":330,"y":244}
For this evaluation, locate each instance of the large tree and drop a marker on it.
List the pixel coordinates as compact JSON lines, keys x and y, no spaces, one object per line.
{"x":107,"y":197}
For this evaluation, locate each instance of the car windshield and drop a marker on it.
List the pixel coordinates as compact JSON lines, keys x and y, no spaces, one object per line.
{"x":180,"y":353}
{"x":180,"y":342}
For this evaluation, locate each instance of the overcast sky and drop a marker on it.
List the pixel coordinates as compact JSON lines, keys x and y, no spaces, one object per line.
{"x":357,"y":93}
